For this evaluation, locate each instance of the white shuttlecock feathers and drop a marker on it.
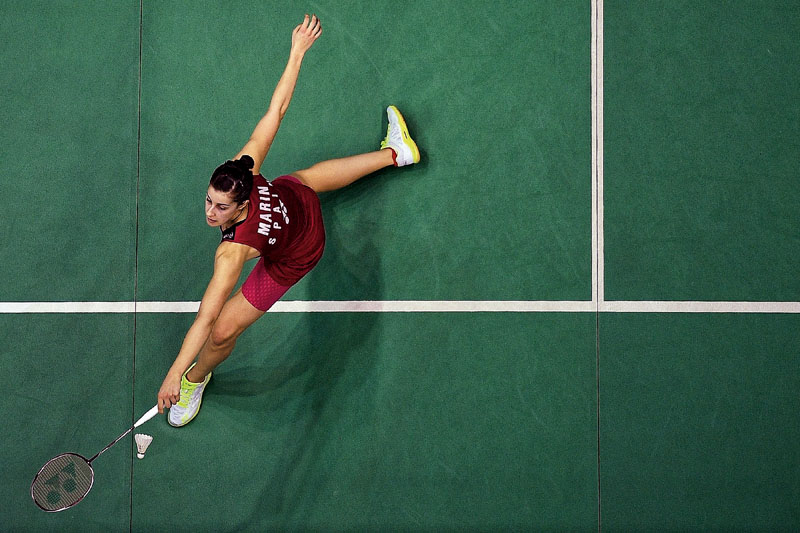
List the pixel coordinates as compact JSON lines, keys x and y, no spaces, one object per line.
{"x":142,"y":442}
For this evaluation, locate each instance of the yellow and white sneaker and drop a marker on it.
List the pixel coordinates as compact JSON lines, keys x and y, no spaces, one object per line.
{"x":399,"y":140}
{"x":187,"y":408}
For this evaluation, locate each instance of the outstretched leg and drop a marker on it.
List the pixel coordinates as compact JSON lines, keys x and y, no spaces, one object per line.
{"x":337,"y":173}
{"x":398,"y":148}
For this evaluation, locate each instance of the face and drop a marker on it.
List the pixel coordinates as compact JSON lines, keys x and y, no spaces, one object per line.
{"x":220,"y":208}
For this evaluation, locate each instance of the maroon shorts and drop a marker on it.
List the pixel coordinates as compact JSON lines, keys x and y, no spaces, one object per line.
{"x":270,"y":280}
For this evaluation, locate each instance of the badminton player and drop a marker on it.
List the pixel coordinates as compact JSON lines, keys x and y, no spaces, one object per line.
{"x":279,"y":221}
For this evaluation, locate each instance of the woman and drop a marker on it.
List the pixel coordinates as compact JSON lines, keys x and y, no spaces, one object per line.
{"x":279,"y":221}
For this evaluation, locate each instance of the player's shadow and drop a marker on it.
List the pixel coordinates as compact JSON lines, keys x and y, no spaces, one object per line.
{"x":325,"y":359}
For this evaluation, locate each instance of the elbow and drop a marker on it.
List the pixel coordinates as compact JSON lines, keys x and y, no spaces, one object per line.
{"x":277,"y":110}
{"x":282,"y":111}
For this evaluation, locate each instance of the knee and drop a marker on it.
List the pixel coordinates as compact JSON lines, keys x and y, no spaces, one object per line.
{"x":223,"y":335}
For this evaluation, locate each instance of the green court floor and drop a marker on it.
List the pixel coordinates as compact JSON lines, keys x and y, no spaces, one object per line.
{"x":117,"y":112}
{"x":701,"y":176}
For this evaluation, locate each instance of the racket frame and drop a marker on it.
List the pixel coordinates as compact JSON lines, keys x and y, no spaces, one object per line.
{"x":76,"y":502}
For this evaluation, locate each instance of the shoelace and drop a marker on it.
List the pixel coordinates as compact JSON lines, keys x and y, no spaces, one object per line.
{"x":186,"y":395}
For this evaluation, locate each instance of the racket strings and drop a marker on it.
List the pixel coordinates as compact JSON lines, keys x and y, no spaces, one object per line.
{"x":62,"y":482}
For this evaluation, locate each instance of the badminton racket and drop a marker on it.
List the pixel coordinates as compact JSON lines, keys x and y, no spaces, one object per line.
{"x":66,"y":479}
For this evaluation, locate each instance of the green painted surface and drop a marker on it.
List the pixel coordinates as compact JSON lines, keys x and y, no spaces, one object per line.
{"x":68,"y":165}
{"x":412,"y":421}
{"x":702,"y":143}
{"x":497,"y":98}
{"x":698,"y":425}
{"x":399,"y":424}
{"x":67,"y":387}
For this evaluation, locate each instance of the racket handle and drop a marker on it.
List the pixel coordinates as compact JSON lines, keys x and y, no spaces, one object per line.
{"x":147,"y":416}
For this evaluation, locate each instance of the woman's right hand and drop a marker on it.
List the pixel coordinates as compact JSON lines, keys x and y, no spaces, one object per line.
{"x":305,"y":34}
{"x":170,"y":392}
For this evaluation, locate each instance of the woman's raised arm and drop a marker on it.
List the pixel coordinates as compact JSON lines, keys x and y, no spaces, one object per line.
{"x":260,"y":141}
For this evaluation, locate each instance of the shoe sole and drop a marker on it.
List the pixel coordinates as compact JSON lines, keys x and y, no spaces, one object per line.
{"x":406,"y":136}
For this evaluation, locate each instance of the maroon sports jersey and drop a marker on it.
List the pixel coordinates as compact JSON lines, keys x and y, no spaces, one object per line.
{"x":284,"y":223}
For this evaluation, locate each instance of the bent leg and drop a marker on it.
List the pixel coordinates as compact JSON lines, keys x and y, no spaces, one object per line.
{"x":337,"y":173}
{"x":236,"y":316}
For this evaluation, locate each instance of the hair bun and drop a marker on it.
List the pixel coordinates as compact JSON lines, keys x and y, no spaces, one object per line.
{"x":245,"y":162}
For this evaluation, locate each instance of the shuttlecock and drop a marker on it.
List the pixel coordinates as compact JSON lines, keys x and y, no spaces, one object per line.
{"x":142,"y":442}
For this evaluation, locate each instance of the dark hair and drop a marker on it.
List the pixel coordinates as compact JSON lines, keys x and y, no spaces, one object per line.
{"x":235,"y":178}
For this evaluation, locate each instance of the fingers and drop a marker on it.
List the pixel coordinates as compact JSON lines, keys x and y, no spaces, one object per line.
{"x":166,"y":401}
{"x":315,"y":26}
{"x":312,"y":26}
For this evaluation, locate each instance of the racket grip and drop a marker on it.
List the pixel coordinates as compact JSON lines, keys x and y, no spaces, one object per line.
{"x":147,"y":416}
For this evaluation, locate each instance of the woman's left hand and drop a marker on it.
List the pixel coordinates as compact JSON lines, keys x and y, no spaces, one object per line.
{"x":305,"y":34}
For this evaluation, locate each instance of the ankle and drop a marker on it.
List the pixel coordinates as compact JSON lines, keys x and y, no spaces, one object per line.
{"x":192,"y":376}
{"x":394,"y":154}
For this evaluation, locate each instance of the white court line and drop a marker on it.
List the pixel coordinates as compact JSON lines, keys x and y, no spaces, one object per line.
{"x":699,"y":307}
{"x":418,"y":306}
{"x":593,"y":75}
{"x":599,"y":248}
{"x":67,"y":307}
{"x":299,"y":306}
{"x":596,"y":99}
{"x":425,"y":306}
